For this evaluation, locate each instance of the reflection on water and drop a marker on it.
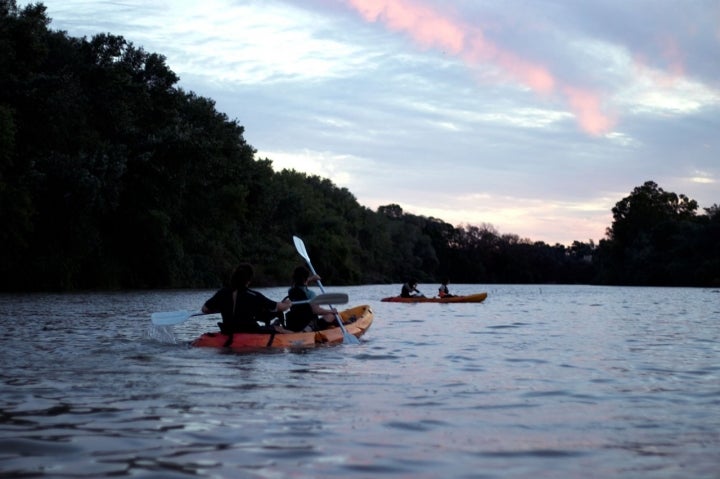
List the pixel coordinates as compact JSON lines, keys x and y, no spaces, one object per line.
{"x":546,"y":381}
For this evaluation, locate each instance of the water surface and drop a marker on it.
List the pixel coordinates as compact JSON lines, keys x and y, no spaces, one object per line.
{"x":537,"y":381}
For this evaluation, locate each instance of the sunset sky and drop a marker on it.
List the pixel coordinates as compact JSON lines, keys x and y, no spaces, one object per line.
{"x":535,"y":117}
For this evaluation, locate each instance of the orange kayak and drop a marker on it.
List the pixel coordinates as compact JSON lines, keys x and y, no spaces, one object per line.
{"x":356,"y":320}
{"x":470,"y":298}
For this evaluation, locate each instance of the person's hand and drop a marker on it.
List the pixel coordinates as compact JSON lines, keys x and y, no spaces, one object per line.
{"x":315,"y":277}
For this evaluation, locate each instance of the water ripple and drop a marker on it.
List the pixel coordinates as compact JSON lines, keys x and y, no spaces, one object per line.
{"x":549,"y":381}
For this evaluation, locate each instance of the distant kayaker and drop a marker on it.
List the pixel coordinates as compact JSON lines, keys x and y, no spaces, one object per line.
{"x":409,"y":290}
{"x":242,"y":308}
{"x":306,"y":317}
{"x":443,"y":290}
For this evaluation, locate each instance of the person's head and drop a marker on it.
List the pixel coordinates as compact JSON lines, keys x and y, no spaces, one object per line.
{"x":300,"y":276}
{"x":241,"y":276}
{"x":412,"y":282}
{"x":445,"y":280}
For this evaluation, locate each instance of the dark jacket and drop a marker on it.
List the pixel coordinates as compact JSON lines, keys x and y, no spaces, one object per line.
{"x":300,"y":316}
{"x":243,"y":314}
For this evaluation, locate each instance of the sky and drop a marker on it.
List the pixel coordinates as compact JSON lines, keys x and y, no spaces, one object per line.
{"x":534,"y":117}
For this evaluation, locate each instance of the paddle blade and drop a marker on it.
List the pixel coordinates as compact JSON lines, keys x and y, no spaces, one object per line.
{"x":300,"y":247}
{"x":330,"y":298}
{"x":349,"y":338}
{"x":169,"y":318}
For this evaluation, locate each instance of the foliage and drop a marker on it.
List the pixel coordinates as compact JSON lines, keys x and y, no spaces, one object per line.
{"x":111,"y":176}
{"x":657,"y":239}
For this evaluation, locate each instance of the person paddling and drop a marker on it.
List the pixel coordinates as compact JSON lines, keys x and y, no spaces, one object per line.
{"x":242,"y":308}
{"x":443,"y":290}
{"x":409,"y":290}
{"x":306,"y":317}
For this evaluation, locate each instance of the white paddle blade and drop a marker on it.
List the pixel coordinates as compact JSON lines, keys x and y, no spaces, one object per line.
{"x":325,"y":298}
{"x":300,"y":247}
{"x":169,"y":318}
{"x":330,"y":298}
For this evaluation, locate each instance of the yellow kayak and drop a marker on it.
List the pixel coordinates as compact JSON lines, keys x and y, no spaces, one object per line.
{"x":356,"y":320}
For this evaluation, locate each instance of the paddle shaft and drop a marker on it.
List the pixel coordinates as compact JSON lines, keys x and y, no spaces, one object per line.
{"x":171,"y":318}
{"x":300,"y":246}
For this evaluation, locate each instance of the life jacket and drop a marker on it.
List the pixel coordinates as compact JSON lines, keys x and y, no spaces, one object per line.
{"x":301,"y":315}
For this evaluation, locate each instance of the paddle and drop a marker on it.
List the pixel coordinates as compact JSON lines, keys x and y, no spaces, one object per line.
{"x":300,"y":247}
{"x":170,"y":318}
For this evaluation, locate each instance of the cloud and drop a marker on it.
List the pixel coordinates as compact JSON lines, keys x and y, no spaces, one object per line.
{"x":587,"y":108}
{"x":228,"y":42}
{"x":425,"y":24}
{"x":431,"y":27}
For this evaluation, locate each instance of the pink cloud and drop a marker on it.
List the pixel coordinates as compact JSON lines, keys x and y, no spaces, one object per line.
{"x":586,"y":106}
{"x":430,"y":28}
{"x":423,"y":24}
{"x":533,"y":75}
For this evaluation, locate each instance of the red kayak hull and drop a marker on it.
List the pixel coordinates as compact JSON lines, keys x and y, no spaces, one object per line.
{"x":470,"y":298}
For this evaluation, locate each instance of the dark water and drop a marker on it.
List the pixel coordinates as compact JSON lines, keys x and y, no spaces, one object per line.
{"x":536,"y":382}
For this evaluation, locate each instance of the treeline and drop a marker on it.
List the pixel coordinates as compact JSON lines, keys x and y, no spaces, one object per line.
{"x":113,"y":177}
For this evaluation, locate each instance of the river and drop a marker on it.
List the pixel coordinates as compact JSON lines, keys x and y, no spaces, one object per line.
{"x":538,"y":381}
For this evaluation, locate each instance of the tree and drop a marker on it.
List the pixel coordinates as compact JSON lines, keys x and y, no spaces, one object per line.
{"x":647,"y":206}
{"x":650,"y":239}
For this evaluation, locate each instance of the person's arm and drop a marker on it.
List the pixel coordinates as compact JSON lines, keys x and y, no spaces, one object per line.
{"x":212,"y":305}
{"x":317,"y":309}
{"x":283,"y":305}
{"x":263,"y":303}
